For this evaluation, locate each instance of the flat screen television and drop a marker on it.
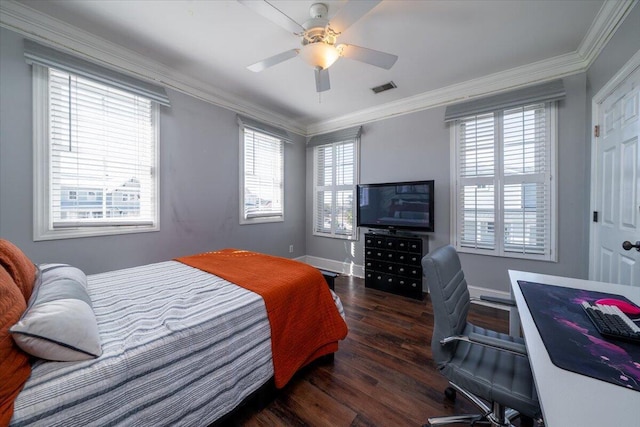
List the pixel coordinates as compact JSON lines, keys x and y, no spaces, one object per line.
{"x":396,"y":206}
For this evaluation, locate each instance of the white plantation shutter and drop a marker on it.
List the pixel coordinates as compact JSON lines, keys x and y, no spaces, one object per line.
{"x":527,"y":187}
{"x":263,"y":166}
{"x":102,"y":154}
{"x":323,"y":215}
{"x":476,"y":219}
{"x":504,"y":193}
{"x":335,"y":174}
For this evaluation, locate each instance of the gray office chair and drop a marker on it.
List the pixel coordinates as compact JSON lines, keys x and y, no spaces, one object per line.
{"x":481,"y":364}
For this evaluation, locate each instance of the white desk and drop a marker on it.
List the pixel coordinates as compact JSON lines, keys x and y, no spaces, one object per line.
{"x":567,"y":398}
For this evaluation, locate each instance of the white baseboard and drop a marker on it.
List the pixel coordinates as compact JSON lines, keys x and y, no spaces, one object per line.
{"x":358,"y":271}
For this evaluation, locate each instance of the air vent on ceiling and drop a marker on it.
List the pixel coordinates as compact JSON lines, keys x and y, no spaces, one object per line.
{"x":383,"y":87}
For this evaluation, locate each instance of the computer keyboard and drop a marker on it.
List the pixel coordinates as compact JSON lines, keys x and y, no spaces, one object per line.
{"x":611,"y":322}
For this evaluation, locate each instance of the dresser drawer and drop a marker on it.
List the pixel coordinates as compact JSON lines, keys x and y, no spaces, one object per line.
{"x":408,"y":258}
{"x":415,"y":246}
{"x":393,"y":264}
{"x":408,"y":271}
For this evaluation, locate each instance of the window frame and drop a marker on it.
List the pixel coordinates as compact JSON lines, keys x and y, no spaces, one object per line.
{"x":499,"y":180}
{"x":43,"y":228}
{"x":334,"y":188}
{"x":264,"y":218}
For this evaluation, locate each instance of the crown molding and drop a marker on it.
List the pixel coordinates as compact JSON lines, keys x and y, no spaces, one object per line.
{"x":48,"y":30}
{"x":514,"y":78}
{"x":609,"y":18}
{"x":55,"y":33}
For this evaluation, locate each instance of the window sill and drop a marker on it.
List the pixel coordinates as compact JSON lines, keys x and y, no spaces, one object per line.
{"x":264,"y":220}
{"x":509,"y":255}
{"x":72,"y":233}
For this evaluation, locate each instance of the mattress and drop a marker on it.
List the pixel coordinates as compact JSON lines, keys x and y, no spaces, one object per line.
{"x":180,"y":347}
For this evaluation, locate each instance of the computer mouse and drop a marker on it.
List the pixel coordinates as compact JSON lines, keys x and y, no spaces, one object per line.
{"x":624,"y":306}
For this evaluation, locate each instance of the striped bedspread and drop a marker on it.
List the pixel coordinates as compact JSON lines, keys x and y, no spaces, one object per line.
{"x":180,"y":347}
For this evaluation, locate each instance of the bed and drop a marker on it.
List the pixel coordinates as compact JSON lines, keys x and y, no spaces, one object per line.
{"x":178,"y":345}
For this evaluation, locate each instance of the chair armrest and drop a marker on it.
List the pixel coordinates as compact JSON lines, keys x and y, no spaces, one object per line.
{"x":499,"y":344}
{"x":496,"y":300}
{"x":491,"y":342}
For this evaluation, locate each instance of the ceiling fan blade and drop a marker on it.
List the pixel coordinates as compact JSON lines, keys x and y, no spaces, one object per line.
{"x":273,"y":60}
{"x":370,"y":56}
{"x":322,"y":79}
{"x":350,"y":13}
{"x":273,"y":14}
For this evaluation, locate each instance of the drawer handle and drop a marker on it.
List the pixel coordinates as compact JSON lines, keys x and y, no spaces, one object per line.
{"x":390,"y":280}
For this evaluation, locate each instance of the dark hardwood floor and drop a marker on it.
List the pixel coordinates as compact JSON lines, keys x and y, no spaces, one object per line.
{"x":383,"y":374}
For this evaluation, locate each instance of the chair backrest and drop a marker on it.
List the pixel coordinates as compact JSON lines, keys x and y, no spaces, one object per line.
{"x":449,"y":296}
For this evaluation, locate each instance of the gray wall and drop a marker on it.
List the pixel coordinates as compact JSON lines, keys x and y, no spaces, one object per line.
{"x":417,"y":146}
{"x":405,"y":148}
{"x":199,"y":178}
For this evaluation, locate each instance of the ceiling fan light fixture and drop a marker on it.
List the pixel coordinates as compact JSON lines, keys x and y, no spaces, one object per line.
{"x":320,"y":54}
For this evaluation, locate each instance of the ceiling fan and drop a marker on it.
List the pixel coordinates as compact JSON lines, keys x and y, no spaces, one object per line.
{"x":319,"y":36}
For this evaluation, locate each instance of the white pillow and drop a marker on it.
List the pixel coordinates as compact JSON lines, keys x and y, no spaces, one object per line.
{"x":59,"y":323}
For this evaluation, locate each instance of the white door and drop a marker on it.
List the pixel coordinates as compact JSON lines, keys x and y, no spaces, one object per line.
{"x":617,"y":186}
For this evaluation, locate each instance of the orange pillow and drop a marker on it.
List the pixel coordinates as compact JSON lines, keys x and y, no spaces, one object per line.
{"x":19,"y":266}
{"x":14,"y":363}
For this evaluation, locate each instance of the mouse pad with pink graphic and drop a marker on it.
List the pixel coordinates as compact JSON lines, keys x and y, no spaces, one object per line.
{"x":571,"y":340}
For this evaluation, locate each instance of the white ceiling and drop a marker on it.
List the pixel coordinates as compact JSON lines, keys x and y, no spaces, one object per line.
{"x":446,"y":49}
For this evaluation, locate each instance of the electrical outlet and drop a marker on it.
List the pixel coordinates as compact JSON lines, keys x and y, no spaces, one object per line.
{"x":290,"y":249}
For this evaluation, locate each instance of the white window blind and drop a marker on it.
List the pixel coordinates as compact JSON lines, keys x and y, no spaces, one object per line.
{"x":504,"y":192}
{"x":334,"y":188}
{"x":96,"y":158}
{"x":262,"y":178}
{"x":102,"y":154}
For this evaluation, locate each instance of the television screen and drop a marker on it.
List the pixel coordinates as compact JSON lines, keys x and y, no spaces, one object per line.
{"x":398,"y":205}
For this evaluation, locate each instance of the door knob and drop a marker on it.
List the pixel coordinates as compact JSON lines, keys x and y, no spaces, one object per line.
{"x":627,"y":245}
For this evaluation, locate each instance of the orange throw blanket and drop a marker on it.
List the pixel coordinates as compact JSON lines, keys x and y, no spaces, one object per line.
{"x":305,"y":323}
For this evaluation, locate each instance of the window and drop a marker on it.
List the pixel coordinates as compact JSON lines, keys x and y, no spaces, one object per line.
{"x":504,"y":200}
{"x":96,"y":157}
{"x":334,"y":186}
{"x":261,"y":177}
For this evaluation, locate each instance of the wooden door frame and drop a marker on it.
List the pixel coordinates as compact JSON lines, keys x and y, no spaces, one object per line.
{"x":596,"y":102}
